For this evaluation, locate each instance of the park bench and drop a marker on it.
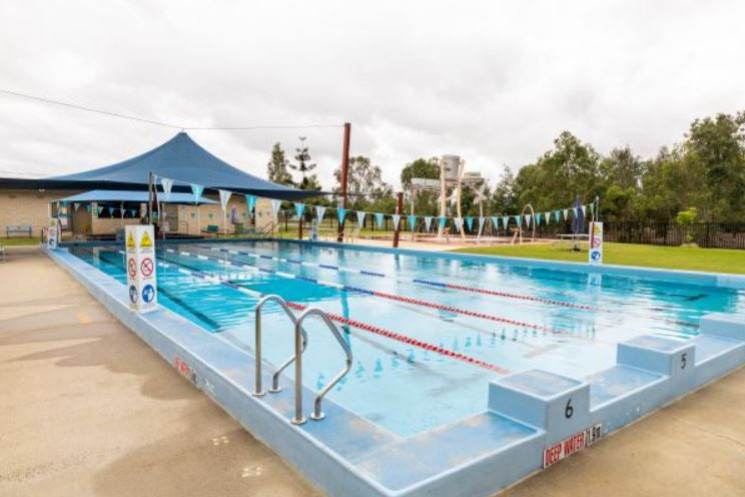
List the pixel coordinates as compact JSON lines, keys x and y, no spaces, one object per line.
{"x":211,"y":229}
{"x":24,"y":229}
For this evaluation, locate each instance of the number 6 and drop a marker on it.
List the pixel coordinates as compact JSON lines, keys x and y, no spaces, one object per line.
{"x":569,"y":410}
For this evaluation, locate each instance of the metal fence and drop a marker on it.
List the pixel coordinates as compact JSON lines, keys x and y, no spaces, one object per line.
{"x":703,"y":234}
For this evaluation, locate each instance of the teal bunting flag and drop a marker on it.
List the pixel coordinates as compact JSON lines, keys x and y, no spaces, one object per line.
{"x":197,"y":191}
{"x":341,"y":214}
{"x":518,"y":220}
{"x":111,"y":210}
{"x":251,"y":203}
{"x":557,"y":215}
{"x":379,"y":217}
{"x":442,"y":220}
{"x":495,"y":222}
{"x":299,"y":209}
{"x":412,"y":221}
{"x":469,"y":223}
{"x":482,"y":220}
{"x":537,"y":220}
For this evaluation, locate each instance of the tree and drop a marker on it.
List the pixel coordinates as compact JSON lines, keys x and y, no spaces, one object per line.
{"x":503,"y":199}
{"x":716,"y":147}
{"x":364,"y":182}
{"x":277,"y":166}
{"x":570,"y":169}
{"x":420,"y":168}
{"x":304,"y":166}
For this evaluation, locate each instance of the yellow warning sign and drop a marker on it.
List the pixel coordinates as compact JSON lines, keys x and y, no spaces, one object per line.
{"x":145,"y":241}
{"x":130,"y":241}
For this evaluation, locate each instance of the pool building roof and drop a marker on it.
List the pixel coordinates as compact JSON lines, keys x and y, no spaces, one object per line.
{"x":180,"y":159}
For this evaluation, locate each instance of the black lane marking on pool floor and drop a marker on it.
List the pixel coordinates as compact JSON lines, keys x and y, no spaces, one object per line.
{"x":161,"y":287}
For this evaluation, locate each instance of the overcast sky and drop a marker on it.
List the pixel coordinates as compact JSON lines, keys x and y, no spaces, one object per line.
{"x":492,"y":81}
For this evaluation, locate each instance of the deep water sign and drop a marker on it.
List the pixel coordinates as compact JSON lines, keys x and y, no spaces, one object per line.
{"x":142,"y":288}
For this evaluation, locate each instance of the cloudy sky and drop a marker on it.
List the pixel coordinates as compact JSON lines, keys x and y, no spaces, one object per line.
{"x":492,"y":81}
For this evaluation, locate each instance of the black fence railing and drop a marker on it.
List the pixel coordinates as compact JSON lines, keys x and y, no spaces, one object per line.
{"x":703,"y":234}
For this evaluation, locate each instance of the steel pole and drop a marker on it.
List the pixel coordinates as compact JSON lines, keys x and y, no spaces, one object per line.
{"x":399,"y":210}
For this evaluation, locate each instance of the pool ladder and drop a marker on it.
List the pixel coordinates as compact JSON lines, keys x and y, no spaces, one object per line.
{"x":301,"y":343}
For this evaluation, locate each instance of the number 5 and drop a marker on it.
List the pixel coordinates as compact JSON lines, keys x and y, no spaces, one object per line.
{"x":683,"y":360}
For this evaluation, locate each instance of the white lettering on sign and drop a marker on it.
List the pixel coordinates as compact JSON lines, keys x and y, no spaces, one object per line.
{"x":571,"y":445}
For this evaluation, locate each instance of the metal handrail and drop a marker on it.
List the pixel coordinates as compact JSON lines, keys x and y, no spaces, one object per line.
{"x":317,"y":413}
{"x":258,"y":389}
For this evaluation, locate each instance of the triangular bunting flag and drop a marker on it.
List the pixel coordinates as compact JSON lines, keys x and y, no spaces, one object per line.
{"x":528,"y":217}
{"x":361,"y":219}
{"x":396,"y":219}
{"x":482,"y":220}
{"x":518,"y":220}
{"x":584,"y":210}
{"x":566,"y":214}
{"x":76,"y":206}
{"x":167,"y":186}
{"x":505,"y":222}
{"x":197,"y":191}
{"x":224,"y":198}
{"x":537,"y":220}
{"x":443,"y":220}
{"x":299,"y":209}
{"x":276,"y":204}
{"x":469,"y":223}
{"x":547,"y":217}
{"x":111,"y":211}
{"x":458,"y":221}
{"x":412,"y":221}
{"x":379,"y":219}
{"x":341,"y":214}
{"x":320,"y":211}
{"x":427,"y":222}
{"x":557,"y":215}
{"x":251,"y":203}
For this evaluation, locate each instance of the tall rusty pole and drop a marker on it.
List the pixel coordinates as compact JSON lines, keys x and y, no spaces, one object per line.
{"x":399,"y":211}
{"x":344,"y":175}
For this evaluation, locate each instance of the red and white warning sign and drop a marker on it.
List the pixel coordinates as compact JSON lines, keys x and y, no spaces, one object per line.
{"x":147,"y":267}
{"x":571,"y":445}
{"x":131,"y":267}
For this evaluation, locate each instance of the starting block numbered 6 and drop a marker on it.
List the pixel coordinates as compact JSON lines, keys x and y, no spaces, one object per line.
{"x":556,"y":404}
{"x":142,"y":288}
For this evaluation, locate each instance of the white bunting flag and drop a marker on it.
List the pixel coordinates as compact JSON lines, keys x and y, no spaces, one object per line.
{"x":224,"y":198}
{"x":167,"y":186}
{"x":320,"y":210}
{"x":427,"y":222}
{"x":361,"y":219}
{"x":275,"y":207}
{"x":396,"y":219}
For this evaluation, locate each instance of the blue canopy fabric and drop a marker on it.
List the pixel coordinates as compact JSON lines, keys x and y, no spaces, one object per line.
{"x":184,"y":161}
{"x":133,"y":196}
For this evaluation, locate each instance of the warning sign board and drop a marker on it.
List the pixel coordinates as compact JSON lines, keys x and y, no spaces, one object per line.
{"x":132,"y":267}
{"x":146,"y":241}
{"x":141,"y":268}
{"x":571,"y":445}
{"x":147,"y":267}
{"x":53,"y":233}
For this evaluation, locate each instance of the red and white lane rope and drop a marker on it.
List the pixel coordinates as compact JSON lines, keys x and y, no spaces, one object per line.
{"x":438,"y":284}
{"x":399,"y":337}
{"x":389,"y":296}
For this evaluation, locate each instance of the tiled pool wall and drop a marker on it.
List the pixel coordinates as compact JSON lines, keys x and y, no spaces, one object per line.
{"x":534,"y":418}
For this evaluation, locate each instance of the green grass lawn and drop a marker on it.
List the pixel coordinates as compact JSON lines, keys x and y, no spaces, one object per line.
{"x":687,"y":258}
{"x":12,"y":242}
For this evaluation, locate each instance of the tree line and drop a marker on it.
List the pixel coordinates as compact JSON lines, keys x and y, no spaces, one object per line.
{"x":701,"y":178}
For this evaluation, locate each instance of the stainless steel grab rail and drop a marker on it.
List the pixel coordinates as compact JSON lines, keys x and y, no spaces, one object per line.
{"x":317,"y":412}
{"x":258,"y":389}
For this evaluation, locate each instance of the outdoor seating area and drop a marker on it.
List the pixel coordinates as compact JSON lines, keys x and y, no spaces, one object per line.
{"x":24,"y":230}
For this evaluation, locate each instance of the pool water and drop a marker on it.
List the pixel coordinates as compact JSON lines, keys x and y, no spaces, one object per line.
{"x":427,"y":333}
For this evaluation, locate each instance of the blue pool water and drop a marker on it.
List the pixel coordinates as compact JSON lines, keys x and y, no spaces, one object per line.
{"x":427,"y":333}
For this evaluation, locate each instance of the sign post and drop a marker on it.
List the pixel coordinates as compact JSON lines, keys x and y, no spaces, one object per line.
{"x":141,"y":275}
{"x":596,"y":243}
{"x":53,"y":233}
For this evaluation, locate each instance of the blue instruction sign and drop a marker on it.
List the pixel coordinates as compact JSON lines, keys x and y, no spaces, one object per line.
{"x":148,"y":293}
{"x":133,"y":294}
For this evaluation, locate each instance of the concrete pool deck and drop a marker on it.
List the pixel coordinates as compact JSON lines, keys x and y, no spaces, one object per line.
{"x":89,"y":409}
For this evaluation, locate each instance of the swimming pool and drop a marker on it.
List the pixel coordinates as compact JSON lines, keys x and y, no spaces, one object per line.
{"x":438,"y":339}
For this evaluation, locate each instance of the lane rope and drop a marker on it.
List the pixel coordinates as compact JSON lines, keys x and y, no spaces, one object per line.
{"x":439,"y":284}
{"x":346,"y":321}
{"x":389,"y":296}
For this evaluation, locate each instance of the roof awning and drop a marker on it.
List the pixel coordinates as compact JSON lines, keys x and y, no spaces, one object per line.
{"x":133,"y":196}
{"x":180,"y":159}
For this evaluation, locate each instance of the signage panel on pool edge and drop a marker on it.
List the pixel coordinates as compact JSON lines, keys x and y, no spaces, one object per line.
{"x":141,"y":272}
